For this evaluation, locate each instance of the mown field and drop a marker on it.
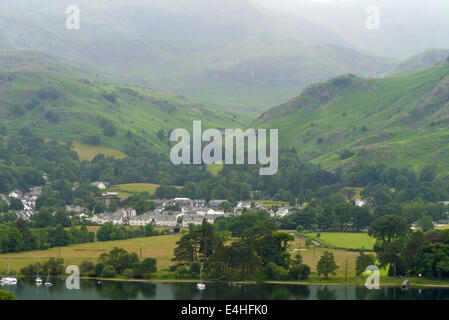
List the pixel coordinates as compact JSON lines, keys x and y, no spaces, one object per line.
{"x":129,"y":189}
{"x":271,"y":203}
{"x":344,"y":240}
{"x":159,"y":247}
{"x":312,"y":254}
{"x":126,"y":190}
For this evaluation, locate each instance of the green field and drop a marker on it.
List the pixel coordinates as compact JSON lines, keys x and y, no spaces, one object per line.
{"x":129,"y":189}
{"x":159,"y":247}
{"x":87,"y":152}
{"x":271,"y":203}
{"x":311,"y":255}
{"x":344,"y":240}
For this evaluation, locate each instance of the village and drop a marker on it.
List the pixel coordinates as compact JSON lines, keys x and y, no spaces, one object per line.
{"x":191,"y":211}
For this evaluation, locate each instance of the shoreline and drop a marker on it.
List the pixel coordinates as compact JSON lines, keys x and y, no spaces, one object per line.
{"x":278,"y":282}
{"x":307,"y":283}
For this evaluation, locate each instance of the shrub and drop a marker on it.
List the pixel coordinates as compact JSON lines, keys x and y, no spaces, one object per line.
{"x":345,"y":154}
{"x":87,"y":267}
{"x":92,"y":140}
{"x":128,"y":273}
{"x":299,"y":272}
{"x":51,"y":116}
{"x":195,"y":267}
{"x":6,"y":295}
{"x":108,"y":272}
{"x":48,"y":94}
{"x":274,"y":272}
{"x":362,"y":262}
{"x":111,"y":97}
{"x":26,"y":132}
{"x":304,"y":272}
{"x":98,"y":269}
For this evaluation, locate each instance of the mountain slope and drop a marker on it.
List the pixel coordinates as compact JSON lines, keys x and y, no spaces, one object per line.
{"x":399,"y":121}
{"x":63,"y":106}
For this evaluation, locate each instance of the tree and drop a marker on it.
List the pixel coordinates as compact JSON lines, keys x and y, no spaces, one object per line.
{"x":6,"y":295}
{"x":187,"y":248}
{"x":161,"y":135}
{"x":362,"y":262}
{"x":304,"y":271}
{"x":389,"y":228}
{"x":142,"y":206}
{"x":299,"y":272}
{"x":109,"y":129}
{"x":225,"y":206}
{"x":426,"y":223}
{"x":326,"y":265}
{"x":15,"y":204}
{"x":165,"y":192}
{"x":427,"y":173}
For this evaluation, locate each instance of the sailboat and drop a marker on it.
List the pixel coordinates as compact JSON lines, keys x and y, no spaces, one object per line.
{"x":9,"y":281}
{"x":200,"y":285}
{"x":47,"y":282}
{"x":38,"y":280}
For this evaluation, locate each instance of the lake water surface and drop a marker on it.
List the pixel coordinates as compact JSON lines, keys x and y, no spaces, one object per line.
{"x":26,"y":289}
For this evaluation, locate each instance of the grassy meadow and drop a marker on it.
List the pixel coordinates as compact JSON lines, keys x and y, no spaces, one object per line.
{"x":312,"y":254}
{"x":345,"y":240}
{"x":87,"y":152}
{"x":159,"y":247}
{"x":129,"y":189}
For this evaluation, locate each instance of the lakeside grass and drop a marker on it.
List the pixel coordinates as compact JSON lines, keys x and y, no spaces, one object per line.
{"x":345,"y":240}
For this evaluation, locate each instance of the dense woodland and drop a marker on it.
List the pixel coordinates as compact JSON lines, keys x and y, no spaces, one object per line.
{"x":24,"y":159}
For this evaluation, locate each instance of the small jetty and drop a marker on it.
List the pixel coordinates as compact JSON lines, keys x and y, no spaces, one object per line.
{"x":405,"y":284}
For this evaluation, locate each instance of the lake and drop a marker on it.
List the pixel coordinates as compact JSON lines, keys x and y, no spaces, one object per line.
{"x":26,"y":289}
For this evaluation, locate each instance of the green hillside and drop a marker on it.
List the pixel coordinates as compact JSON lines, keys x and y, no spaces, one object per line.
{"x":398,"y":121}
{"x":60,"y":106}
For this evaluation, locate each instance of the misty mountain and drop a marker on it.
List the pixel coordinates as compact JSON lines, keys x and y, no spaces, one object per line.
{"x":229,"y":53}
{"x":406,"y":28}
